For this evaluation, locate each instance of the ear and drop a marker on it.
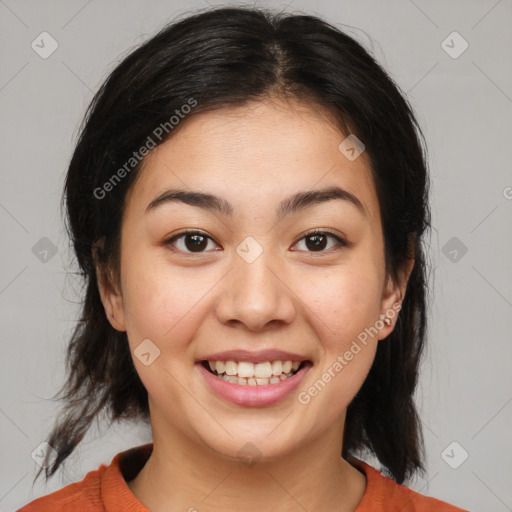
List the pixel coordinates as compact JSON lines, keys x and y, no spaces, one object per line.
{"x":393,"y":294}
{"x":110,"y":293}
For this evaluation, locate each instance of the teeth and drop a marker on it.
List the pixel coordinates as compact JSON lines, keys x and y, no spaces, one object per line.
{"x":287,"y":366}
{"x":277,"y":368}
{"x":259,"y":374}
{"x":262,"y":371}
{"x":231,"y":368}
{"x":245,"y":369}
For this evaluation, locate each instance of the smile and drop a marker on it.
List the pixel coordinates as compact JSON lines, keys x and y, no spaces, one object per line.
{"x":246,"y":373}
{"x":252,"y":384}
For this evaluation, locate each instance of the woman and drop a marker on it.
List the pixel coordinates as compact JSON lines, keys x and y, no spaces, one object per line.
{"x":247,"y":202}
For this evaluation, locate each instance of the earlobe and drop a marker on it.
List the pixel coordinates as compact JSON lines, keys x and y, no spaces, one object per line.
{"x":390,"y":307}
{"x":112,"y":301}
{"x":392,"y":299}
{"x":111,"y":298}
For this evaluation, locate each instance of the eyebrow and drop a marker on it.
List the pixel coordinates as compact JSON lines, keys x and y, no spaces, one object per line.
{"x":292,"y":204}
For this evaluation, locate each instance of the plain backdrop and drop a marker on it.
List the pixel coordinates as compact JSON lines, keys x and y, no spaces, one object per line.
{"x":463,"y":101}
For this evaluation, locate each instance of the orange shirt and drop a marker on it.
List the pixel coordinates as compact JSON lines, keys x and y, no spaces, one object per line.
{"x":105,"y":490}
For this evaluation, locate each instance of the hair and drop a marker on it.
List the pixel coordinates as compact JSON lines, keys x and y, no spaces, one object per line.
{"x":227,"y":57}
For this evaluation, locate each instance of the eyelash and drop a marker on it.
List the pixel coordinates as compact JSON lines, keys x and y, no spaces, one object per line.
{"x":169,"y":242}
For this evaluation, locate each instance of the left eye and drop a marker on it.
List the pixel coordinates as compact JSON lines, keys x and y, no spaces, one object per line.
{"x":196,"y":241}
{"x":317,"y":240}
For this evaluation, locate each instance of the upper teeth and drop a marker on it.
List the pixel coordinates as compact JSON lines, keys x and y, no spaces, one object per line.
{"x":246,"y":369}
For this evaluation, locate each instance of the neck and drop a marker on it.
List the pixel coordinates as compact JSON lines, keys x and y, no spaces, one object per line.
{"x":183,"y":475}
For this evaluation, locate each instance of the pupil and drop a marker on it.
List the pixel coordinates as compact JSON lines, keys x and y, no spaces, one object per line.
{"x":198,"y":244}
{"x":317,"y":244}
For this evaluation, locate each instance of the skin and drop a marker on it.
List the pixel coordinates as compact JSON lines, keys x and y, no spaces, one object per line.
{"x":292,"y":297}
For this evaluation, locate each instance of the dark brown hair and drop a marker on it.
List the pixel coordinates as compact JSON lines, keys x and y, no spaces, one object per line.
{"x":227,"y":57}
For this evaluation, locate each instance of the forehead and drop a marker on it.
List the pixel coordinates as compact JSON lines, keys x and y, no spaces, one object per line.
{"x":253,"y":156}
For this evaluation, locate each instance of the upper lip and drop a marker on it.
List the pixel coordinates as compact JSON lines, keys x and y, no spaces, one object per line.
{"x":254,"y":357}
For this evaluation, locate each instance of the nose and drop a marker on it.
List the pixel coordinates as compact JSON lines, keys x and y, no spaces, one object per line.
{"x":256,"y":295}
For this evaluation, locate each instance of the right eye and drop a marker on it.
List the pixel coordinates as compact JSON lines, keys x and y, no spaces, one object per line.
{"x":191,"y":241}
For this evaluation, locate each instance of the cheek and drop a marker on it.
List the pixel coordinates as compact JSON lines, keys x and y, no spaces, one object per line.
{"x":345,"y":299}
{"x":343,"y":306}
{"x":163,"y":302}
{"x":343,"y":312}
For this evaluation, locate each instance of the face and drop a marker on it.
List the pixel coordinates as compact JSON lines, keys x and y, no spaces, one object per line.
{"x":252,"y":278}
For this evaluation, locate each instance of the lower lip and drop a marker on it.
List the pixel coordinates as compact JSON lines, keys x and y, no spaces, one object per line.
{"x":253,"y":396}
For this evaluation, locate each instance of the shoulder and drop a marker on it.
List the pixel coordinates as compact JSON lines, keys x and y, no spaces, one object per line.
{"x":84,"y":495}
{"x":102,"y":490}
{"x":383,"y":495}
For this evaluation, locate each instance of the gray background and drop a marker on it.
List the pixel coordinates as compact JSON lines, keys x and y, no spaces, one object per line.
{"x":464,"y":105}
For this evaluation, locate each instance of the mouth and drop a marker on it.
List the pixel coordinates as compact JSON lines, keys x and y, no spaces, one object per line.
{"x":256,"y":383}
{"x":247,"y":373}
